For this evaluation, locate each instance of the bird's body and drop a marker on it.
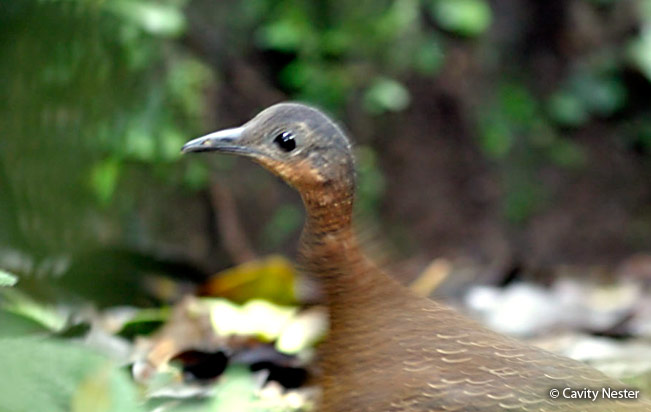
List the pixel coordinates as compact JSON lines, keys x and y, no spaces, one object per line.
{"x":409,"y":353}
{"x":387,"y":349}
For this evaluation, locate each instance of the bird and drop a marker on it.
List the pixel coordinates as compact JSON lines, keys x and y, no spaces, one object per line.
{"x":388,"y":349}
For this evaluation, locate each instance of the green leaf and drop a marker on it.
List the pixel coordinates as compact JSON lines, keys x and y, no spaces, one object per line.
{"x":104,"y":178}
{"x":463,"y":17}
{"x":518,"y":104}
{"x":399,"y":17}
{"x":17,"y":302}
{"x":187,"y":82}
{"x":601,"y":95}
{"x":53,"y":376}
{"x":7,"y":279}
{"x":384,"y":95}
{"x":272,"y":278}
{"x":144,"y":322}
{"x":236,"y":391}
{"x":14,"y":324}
{"x":496,"y":138}
{"x":640,"y":52}
{"x":584,"y":95}
{"x":429,"y":57}
{"x":567,"y":110}
{"x":284,"y":35}
{"x":298,"y":74}
{"x":164,"y":20}
{"x":140,"y":144}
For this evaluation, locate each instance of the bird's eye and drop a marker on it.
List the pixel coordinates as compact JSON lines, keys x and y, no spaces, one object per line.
{"x":286,"y":141}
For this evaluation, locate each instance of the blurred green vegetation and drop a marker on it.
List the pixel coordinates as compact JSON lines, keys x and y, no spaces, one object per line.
{"x":99,"y":96}
{"x":57,"y":376}
{"x":95,"y":91}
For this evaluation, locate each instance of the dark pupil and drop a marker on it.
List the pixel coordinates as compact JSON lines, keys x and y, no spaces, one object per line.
{"x":286,"y":141}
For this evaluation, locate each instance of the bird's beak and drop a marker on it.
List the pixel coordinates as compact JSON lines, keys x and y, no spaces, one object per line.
{"x":227,"y":141}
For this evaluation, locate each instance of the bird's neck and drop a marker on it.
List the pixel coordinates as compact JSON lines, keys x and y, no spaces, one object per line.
{"x":329,"y":212}
{"x":330,"y":251}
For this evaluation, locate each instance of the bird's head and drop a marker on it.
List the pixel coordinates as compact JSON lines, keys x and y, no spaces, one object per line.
{"x":294,"y":141}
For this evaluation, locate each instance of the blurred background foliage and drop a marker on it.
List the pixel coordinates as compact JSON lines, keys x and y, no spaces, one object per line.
{"x":99,"y":96}
{"x":513,"y":133}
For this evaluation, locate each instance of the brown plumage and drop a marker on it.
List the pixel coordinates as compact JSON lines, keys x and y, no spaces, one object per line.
{"x":389,"y":350}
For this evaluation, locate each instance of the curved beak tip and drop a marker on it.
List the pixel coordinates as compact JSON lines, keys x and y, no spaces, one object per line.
{"x":194,"y":145}
{"x":223,"y":140}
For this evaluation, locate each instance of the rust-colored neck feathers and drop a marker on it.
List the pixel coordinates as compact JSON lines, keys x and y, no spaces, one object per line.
{"x":329,"y":209}
{"x":328,"y":242}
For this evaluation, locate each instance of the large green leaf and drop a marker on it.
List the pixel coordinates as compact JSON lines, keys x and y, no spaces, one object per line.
{"x":15,"y":324}
{"x":53,"y":376}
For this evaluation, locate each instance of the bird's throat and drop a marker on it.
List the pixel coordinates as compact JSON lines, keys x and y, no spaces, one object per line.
{"x":329,"y":250}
